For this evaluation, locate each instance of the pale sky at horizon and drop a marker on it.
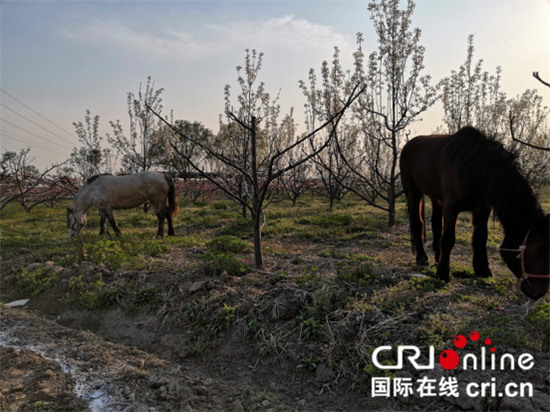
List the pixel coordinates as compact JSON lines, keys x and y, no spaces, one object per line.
{"x":61,"y":58}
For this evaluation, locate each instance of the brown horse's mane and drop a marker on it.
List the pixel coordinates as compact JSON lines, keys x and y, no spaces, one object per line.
{"x":498,"y":178}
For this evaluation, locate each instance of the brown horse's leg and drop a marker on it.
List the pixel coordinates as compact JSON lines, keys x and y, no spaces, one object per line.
{"x":113,"y":222}
{"x":479,"y":242}
{"x":437,"y":224}
{"x":415,"y":202}
{"x":447,"y":242}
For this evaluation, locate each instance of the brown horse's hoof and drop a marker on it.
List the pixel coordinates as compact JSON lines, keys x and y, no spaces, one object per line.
{"x":443,"y":276}
{"x":422,"y":261}
{"x":484,"y":274}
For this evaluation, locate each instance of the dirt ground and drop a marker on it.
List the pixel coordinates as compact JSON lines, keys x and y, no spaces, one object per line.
{"x":54,"y":357}
{"x":58,"y":359}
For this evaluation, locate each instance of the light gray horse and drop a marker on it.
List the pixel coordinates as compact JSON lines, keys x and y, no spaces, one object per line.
{"x":108,"y":192}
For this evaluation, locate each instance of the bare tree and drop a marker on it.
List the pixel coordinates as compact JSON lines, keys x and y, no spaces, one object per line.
{"x":22,"y":182}
{"x":473,"y":97}
{"x":294,"y":183}
{"x":536,"y":76}
{"x":543,"y":135}
{"x":90,"y":159}
{"x":331,"y":171}
{"x":395,"y":97}
{"x":139,"y":150}
{"x":170,"y":159}
{"x":256,"y":156}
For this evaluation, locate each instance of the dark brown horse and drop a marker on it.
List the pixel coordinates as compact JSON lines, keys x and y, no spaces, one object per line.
{"x":468,"y":172}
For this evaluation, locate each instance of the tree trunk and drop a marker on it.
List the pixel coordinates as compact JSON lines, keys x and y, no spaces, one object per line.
{"x":256,"y":205}
{"x":258,"y":258}
{"x":391,"y":205}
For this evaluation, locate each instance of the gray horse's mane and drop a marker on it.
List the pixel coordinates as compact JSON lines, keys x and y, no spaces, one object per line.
{"x":91,"y":179}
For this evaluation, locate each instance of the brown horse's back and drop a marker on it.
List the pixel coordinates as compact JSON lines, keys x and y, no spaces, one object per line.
{"x":447,"y":168}
{"x":421,"y":165}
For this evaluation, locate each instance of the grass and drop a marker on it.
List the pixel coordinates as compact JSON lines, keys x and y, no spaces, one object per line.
{"x":345,"y":263}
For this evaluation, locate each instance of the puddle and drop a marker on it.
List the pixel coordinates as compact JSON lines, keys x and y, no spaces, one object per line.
{"x":98,"y":393}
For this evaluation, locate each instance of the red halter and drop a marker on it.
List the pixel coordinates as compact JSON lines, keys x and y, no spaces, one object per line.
{"x":524,"y":275}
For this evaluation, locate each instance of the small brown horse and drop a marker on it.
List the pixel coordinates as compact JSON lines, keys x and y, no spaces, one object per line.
{"x":107,"y":192}
{"x":467,"y":171}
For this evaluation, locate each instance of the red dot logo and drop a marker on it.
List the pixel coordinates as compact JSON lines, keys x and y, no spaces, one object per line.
{"x":493,"y":350}
{"x":474,"y":336}
{"x":449,"y":359}
{"x":460,"y":341}
{"x":487,"y":341}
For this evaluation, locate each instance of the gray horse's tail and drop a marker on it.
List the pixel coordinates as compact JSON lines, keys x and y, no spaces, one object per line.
{"x":173,"y":202}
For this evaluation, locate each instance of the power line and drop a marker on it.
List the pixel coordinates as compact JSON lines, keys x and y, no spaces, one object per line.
{"x":35,"y":112}
{"x":34,"y":134}
{"x":29,"y":143}
{"x":36,"y":124}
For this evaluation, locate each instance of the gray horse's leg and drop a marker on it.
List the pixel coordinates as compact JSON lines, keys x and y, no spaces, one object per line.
{"x":170,"y":225}
{"x":161,"y":215}
{"x":102,"y":220}
{"x":113,"y":222}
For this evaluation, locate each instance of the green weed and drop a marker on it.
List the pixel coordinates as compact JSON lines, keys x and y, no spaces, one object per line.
{"x":332,"y":220}
{"x":223,"y":319}
{"x":311,"y":328}
{"x":37,"y":281}
{"x":308,"y":362}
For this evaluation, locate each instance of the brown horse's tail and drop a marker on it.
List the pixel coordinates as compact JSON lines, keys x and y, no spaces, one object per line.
{"x":173,"y":203}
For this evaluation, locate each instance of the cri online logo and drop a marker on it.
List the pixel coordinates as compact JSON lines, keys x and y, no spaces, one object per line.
{"x":449,"y":359}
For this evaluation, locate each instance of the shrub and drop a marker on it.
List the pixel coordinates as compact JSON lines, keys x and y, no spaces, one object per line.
{"x":146,"y":295}
{"x":155,"y":247}
{"x":540,"y":313}
{"x":110,"y":252}
{"x":223,"y":319}
{"x":332,"y":220}
{"x":219,"y":261}
{"x":86,"y":295}
{"x":37,"y":281}
{"x":219,"y":205}
{"x":229,"y":243}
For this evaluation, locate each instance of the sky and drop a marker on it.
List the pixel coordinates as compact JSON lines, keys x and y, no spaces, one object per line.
{"x":61,"y":58}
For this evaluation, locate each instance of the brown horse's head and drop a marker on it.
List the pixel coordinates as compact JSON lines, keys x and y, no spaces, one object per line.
{"x":531,"y":262}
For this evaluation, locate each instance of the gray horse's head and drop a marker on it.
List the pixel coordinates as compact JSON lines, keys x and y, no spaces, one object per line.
{"x":75,"y":223}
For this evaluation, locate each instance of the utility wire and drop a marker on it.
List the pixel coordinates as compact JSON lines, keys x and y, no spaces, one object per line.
{"x":29,"y":143}
{"x":35,"y":112}
{"x":36,"y":124}
{"x":41,"y":137}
